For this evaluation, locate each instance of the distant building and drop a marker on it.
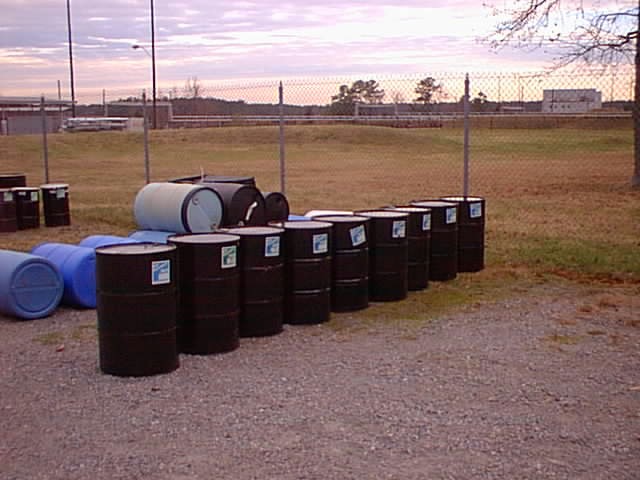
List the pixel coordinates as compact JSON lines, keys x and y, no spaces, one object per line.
{"x":571,"y":100}
{"x":23,"y":115}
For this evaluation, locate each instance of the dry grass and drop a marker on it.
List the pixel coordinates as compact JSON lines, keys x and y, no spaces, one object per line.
{"x":558,"y":199}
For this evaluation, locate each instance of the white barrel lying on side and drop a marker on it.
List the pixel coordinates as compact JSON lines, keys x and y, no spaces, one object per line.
{"x":178,"y":207}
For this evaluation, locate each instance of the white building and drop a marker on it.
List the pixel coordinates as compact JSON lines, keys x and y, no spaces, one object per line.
{"x":571,"y":100}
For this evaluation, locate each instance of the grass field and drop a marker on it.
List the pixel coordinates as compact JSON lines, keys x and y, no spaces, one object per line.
{"x":558,"y":200}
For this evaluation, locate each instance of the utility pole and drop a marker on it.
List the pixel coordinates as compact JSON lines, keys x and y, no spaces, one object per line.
{"x":73,"y":92}
{"x":153,"y":65}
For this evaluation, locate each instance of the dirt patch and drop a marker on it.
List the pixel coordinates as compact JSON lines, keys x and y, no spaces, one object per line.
{"x":542,"y":385}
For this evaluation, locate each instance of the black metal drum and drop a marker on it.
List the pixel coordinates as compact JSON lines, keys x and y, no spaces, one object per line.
{"x":209,"y":298}
{"x":350,"y":262}
{"x":137,"y":309}
{"x":388,"y":255}
{"x":261,"y":280}
{"x":443,"y":261}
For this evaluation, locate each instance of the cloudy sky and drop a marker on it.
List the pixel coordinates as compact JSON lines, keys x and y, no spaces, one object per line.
{"x":241,"y":42}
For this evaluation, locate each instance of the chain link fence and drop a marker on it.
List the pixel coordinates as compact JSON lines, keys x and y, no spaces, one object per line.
{"x":551,"y":152}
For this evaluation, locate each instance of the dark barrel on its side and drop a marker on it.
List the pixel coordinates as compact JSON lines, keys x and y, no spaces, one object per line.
{"x":261,"y":280}
{"x":208,"y":302}
{"x":10,"y":180}
{"x":388,"y":255}
{"x":8,"y":221}
{"x":307,"y":271}
{"x":350,"y":262}
{"x":137,"y":309}
{"x":470,"y":232}
{"x":27,"y":207}
{"x":55,"y":204}
{"x":419,"y":243}
{"x":244,"y":205}
{"x":204,"y":179}
{"x":276,"y":207}
{"x":443,"y":261}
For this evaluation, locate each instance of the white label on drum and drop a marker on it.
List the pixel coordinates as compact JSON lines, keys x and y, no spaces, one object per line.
{"x":229,"y":258}
{"x":8,"y":197}
{"x":60,"y":193}
{"x":320,"y":243}
{"x":358,"y":235}
{"x":426,"y":222}
{"x":475,"y":210}
{"x":34,"y":196}
{"x":272,"y":247}
{"x":160,"y":272}
{"x":399,"y":229}
{"x":451,"y":214}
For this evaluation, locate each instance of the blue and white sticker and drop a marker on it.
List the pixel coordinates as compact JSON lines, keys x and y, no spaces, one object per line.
{"x":399,"y":229}
{"x":358,"y":235}
{"x":34,"y":196}
{"x":160,"y":272}
{"x":426,"y":222}
{"x":272,"y":247}
{"x":8,"y":197}
{"x":229,"y":257}
{"x":61,"y":193}
{"x":475,"y":210}
{"x":320,"y":243}
{"x":451,"y":215}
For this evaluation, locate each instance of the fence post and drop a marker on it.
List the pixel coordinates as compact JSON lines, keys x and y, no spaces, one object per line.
{"x":145,"y":127}
{"x":282,"y":152}
{"x":45,"y":146}
{"x":465,"y":185}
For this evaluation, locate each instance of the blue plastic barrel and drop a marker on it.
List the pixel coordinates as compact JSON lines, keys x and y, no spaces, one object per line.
{"x":96,"y":241}
{"x":153,"y":236}
{"x":78,"y":268}
{"x":298,"y":218}
{"x":30,"y":286}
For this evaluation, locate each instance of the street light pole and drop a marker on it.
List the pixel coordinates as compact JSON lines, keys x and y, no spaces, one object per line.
{"x":73,"y":93}
{"x":153,"y":65}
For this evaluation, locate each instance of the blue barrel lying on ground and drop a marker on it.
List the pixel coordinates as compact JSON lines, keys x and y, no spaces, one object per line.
{"x":153,"y":236}
{"x":78,"y":268}
{"x":97,"y":241}
{"x":298,"y":218}
{"x":30,"y":286}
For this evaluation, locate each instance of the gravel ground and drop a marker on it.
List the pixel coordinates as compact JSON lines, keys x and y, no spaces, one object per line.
{"x":545,"y":385}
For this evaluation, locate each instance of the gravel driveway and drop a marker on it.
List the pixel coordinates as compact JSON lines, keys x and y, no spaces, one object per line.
{"x":545,"y":385}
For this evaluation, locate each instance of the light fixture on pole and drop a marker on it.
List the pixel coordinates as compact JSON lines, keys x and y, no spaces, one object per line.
{"x":141,"y":47}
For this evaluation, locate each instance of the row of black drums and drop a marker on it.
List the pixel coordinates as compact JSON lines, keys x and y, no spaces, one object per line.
{"x":202,"y":292}
{"x":20,"y":206}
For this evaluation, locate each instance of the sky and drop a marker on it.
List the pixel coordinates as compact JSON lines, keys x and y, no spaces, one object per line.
{"x":242,"y":43}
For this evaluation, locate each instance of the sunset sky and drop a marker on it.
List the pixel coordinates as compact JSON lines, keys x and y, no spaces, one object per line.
{"x":243,"y":42}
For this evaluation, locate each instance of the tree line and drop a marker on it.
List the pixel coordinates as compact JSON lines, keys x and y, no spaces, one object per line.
{"x":428,"y":92}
